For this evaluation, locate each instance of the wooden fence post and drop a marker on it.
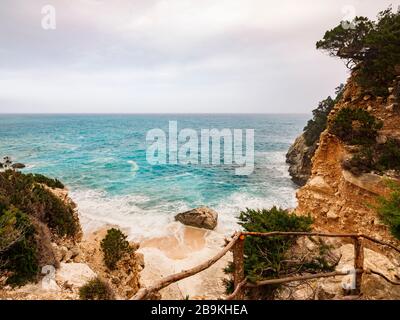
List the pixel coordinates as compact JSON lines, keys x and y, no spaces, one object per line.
{"x":358,"y":263}
{"x":238,"y":265}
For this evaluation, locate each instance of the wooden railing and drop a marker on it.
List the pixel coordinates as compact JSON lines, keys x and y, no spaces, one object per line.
{"x":236,"y":244}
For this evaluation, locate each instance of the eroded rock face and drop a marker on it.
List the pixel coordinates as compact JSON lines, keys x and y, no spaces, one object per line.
{"x":76,"y":274}
{"x":367,"y":181}
{"x":299,"y":160}
{"x":338,"y":200}
{"x":125,"y":278}
{"x":341,"y":202}
{"x":202,"y":217}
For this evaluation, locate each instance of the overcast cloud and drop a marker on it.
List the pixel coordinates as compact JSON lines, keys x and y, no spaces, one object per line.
{"x":171,"y":55}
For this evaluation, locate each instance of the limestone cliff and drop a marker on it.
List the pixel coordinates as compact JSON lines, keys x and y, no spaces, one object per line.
{"x":338,"y":200}
{"x":299,"y":159}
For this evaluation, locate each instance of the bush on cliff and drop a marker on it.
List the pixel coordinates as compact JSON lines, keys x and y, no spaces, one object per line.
{"x":51,"y":183}
{"x":24,"y":192}
{"x":389,"y":155}
{"x":96,"y":289}
{"x":389,"y":209}
{"x":318,"y":123}
{"x":26,"y":206}
{"x":371,"y":48}
{"x":114,"y":246}
{"x":18,"y":250}
{"x":267,"y":257}
{"x":355,"y":126}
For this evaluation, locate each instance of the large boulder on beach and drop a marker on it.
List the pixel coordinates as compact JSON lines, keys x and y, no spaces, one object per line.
{"x":202,"y":217}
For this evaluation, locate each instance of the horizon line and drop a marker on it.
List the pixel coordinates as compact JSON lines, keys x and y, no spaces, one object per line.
{"x":153,"y":113}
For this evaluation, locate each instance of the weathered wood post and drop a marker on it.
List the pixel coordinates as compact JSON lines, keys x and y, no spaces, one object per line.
{"x":238,"y":265}
{"x":358,"y":263}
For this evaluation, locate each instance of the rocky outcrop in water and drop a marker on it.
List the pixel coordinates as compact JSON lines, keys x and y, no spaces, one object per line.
{"x":18,"y":165}
{"x":202,"y":217}
{"x":299,"y":159}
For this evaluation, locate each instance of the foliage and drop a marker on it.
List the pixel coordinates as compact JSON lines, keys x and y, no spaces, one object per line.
{"x":375,"y":157}
{"x":114,"y":246}
{"x":267,"y":257}
{"x":24,"y":199}
{"x":389,"y":155}
{"x":23,"y":192}
{"x":369,"y":47}
{"x":362,"y":161}
{"x":96,"y":289}
{"x":389,"y":209}
{"x":10,"y":233}
{"x":355,"y":126}
{"x":51,"y":183}
{"x":317,"y":124}
{"x":264,"y":255}
{"x":19,"y":255}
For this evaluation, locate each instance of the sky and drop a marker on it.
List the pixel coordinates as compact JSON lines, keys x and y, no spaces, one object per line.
{"x":170,"y":56}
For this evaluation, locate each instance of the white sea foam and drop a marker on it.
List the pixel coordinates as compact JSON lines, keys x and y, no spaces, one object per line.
{"x":132,"y":213}
{"x":97,"y":209}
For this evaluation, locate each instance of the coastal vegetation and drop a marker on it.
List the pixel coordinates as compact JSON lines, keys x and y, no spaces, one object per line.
{"x":370,"y":48}
{"x":51,"y":183}
{"x":27,"y":207}
{"x":355,"y":126}
{"x":96,"y":289}
{"x":389,"y":209}
{"x":114,"y":246}
{"x":18,"y":249}
{"x":359,"y":128}
{"x":272,"y":257}
{"x":316,"y":125}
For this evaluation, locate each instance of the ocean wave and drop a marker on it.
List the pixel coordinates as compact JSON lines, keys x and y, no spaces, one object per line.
{"x":144,"y":219}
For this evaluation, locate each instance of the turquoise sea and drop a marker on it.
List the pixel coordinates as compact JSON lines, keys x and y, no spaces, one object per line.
{"x":102,"y":160}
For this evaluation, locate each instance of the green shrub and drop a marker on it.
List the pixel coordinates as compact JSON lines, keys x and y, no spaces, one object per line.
{"x":23,"y":191}
{"x":361,"y":162}
{"x":355,"y":126}
{"x":22,"y":199}
{"x":389,"y":155}
{"x":389,"y":209}
{"x":264,"y":254}
{"x":59,"y":216}
{"x":318,"y":123}
{"x":19,"y":254}
{"x":376,"y":157}
{"x":114,"y":246}
{"x":96,"y":289}
{"x":267,"y":257}
{"x":51,"y":183}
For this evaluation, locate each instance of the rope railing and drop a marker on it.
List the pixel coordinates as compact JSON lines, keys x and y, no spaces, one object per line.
{"x":236,"y":244}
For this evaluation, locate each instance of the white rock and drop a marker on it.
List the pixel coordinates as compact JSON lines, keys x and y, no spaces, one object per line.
{"x":332,"y":215}
{"x":319,"y":184}
{"x":76,"y":274}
